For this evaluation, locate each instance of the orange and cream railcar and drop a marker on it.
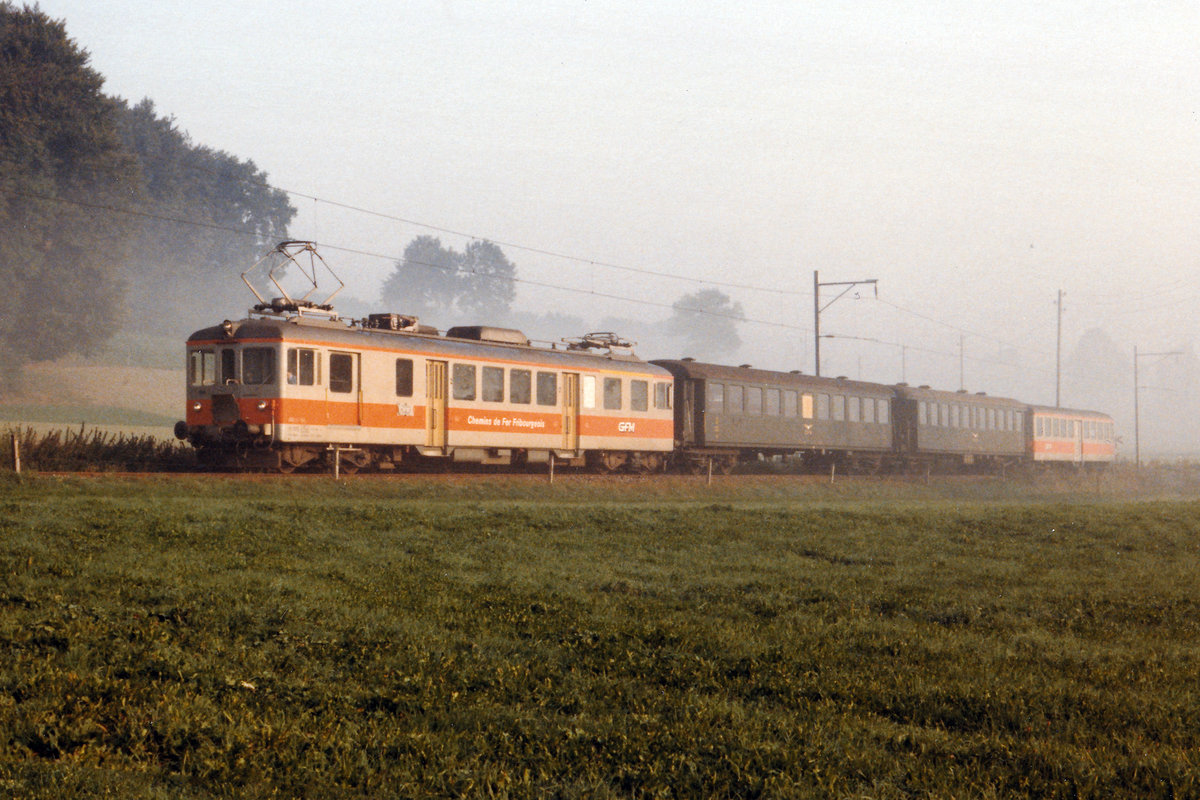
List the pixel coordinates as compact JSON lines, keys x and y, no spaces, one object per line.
{"x":288,"y":390}
{"x":1061,"y":435}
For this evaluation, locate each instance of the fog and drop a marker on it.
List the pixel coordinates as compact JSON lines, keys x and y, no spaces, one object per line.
{"x":973,"y":159}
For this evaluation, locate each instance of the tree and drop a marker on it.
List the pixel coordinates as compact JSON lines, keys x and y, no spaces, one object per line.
{"x":61,"y":163}
{"x":430,"y":280}
{"x":210,"y":216}
{"x":707,"y":321}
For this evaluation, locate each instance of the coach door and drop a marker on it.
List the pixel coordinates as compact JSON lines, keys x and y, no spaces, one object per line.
{"x":1077,"y":432}
{"x":570,"y":422}
{"x":435,"y":404}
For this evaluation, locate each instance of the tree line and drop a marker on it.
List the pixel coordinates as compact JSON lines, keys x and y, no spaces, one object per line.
{"x":111,"y":216}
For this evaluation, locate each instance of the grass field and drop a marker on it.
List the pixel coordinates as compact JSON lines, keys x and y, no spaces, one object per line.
{"x":166,"y":637}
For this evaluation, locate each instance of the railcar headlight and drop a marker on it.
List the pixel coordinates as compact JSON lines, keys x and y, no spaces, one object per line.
{"x":262,"y":405}
{"x":196,"y":406}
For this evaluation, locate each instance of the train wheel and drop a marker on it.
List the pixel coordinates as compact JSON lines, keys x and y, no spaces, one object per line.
{"x":650,"y":462}
{"x":724,"y":464}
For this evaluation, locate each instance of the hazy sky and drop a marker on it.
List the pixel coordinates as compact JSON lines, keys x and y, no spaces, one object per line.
{"x":973,"y":157}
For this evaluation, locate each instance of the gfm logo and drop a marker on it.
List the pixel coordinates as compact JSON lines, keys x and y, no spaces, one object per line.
{"x":625,"y":427}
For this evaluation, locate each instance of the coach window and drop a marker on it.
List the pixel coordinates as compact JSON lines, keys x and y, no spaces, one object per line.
{"x":868,"y":409}
{"x":839,"y":408}
{"x":302,"y":366}
{"x":881,"y":411}
{"x":229,"y":373}
{"x":771,"y":402}
{"x":733,"y":399}
{"x":341,"y":372}
{"x":789,"y":403}
{"x":662,"y":395}
{"x":547,"y":388}
{"x":492,"y":385}
{"x":943,"y":415}
{"x":258,"y":366}
{"x":612,"y":393}
{"x":806,"y":406}
{"x":715,"y":398}
{"x":404,"y":377}
{"x":203,"y":366}
{"x":954,"y":416}
{"x":639,"y":395}
{"x":754,"y":400}
{"x":822,"y":406}
{"x":462,"y":378}
{"x":855,"y":406}
{"x":519,"y":386}
{"x":922,"y":413}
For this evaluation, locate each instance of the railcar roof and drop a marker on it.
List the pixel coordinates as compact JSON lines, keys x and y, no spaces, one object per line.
{"x":699,"y":370}
{"x":1071,"y":412}
{"x":943,"y":396}
{"x":338,"y":334}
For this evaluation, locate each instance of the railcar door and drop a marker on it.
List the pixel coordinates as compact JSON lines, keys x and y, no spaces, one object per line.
{"x":435,"y":404}
{"x":344,"y":394}
{"x":570,"y":411}
{"x":1077,"y":431}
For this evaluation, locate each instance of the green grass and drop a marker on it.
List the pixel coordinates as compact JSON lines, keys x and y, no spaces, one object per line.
{"x":197,"y":637}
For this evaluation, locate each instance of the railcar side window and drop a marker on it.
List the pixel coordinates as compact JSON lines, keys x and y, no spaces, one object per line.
{"x":493,"y":384}
{"x":855,"y":404}
{"x":881,"y":411}
{"x":302,"y":367}
{"x":754,"y":400}
{"x":341,"y":372}
{"x":589,"y":391}
{"x":229,"y":373}
{"x":662,"y":395}
{"x":822,"y":406}
{"x":771,"y":402}
{"x":462,"y":378}
{"x":547,"y":388}
{"x":404,"y":377}
{"x":733,"y":399}
{"x":519,"y":386}
{"x":639,"y":395}
{"x":839,"y":408}
{"x":612,"y":393}
{"x":789,"y":403}
{"x":716,"y":398}
{"x":258,"y":366}
{"x":202,"y":364}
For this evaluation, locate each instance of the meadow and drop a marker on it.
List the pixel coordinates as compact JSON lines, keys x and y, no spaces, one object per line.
{"x":209,"y":636}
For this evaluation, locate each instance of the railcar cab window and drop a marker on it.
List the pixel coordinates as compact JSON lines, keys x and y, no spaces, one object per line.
{"x":302,"y":367}
{"x":547,"y":388}
{"x":202,"y":366}
{"x":662,"y":395}
{"x":639,"y":396}
{"x":463,"y":380}
{"x":404,"y":377}
{"x":493,"y":385}
{"x":716,"y":398}
{"x":258,"y":366}
{"x":519,"y":386}
{"x":229,"y":373}
{"x":612,"y":393}
{"x":341,"y":373}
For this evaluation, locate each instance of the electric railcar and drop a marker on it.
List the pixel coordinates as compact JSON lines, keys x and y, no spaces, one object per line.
{"x":295,"y":387}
